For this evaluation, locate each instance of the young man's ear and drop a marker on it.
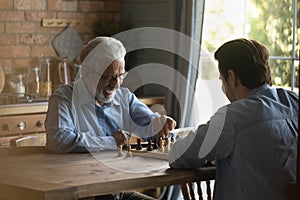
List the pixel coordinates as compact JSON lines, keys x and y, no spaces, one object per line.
{"x":231,"y":77}
{"x":234,"y":79}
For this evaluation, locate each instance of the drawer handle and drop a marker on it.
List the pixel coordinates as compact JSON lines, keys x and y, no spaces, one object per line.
{"x":39,"y":124}
{"x":22,"y":125}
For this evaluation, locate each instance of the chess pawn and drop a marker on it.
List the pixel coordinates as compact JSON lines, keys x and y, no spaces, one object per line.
{"x":149,"y":148}
{"x":155,"y":146}
{"x":129,"y":153}
{"x":161,"y":146}
{"x":120,"y":152}
{"x":167,"y":145}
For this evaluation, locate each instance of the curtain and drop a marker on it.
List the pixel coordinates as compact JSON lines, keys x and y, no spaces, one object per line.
{"x":189,"y":21}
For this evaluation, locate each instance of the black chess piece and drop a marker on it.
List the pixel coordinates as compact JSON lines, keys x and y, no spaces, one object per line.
{"x":172,"y":139}
{"x":138,"y":146}
{"x":149,"y":147}
{"x":155,"y":145}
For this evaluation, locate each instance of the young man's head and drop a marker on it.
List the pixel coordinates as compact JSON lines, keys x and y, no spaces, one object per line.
{"x":243,"y":64}
{"x":103,"y":67}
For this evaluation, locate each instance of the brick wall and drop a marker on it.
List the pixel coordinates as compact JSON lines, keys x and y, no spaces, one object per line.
{"x":23,"y":38}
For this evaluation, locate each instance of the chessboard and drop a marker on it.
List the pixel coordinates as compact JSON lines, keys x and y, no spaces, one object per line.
{"x":153,"y":149}
{"x":151,"y":154}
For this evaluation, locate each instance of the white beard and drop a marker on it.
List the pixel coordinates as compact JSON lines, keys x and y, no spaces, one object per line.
{"x":100,"y":97}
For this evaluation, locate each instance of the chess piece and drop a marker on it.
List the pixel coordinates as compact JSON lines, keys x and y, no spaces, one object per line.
{"x":129,"y":153}
{"x":167,"y":145}
{"x":149,"y":147}
{"x":154,"y":145}
{"x":120,"y":152}
{"x":160,"y":147}
{"x":172,"y":142}
{"x":138,"y":145}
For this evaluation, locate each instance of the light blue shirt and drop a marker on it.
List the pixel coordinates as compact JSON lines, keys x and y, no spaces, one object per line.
{"x":255,"y":147}
{"x":74,"y":123}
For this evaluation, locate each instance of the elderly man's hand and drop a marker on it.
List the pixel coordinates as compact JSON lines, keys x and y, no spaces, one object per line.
{"x":163,"y":125}
{"x":122,"y":137}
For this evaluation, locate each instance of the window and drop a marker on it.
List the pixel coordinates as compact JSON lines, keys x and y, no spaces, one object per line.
{"x":275,"y":23}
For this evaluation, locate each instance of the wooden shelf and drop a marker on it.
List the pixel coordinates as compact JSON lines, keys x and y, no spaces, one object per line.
{"x":149,"y":101}
{"x":23,"y":108}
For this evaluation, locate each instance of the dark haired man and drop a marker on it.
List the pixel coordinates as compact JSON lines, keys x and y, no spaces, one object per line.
{"x":253,"y":139}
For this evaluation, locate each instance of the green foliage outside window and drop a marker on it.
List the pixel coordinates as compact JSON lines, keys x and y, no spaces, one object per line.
{"x":268,"y":21}
{"x":273,"y":27}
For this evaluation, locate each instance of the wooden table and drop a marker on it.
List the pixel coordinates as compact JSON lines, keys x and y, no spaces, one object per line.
{"x":32,"y":173}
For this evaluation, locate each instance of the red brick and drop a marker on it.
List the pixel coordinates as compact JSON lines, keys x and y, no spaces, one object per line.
{"x":69,"y":5}
{"x":71,"y":15}
{"x":85,"y":29}
{"x":96,"y":16}
{"x":11,"y":39}
{"x":22,"y":63}
{"x":91,"y":6}
{"x":20,"y":27}
{"x":37,"y":16}
{"x":30,"y":5}
{"x":41,"y":50}
{"x":62,"y":5}
{"x":113,"y":6}
{"x":35,"y":39}
{"x":11,"y":15}
{"x":54,"y":4}
{"x":6,"y":64}
{"x":1,"y":27}
{"x":14,"y":51}
{"x":5,"y":4}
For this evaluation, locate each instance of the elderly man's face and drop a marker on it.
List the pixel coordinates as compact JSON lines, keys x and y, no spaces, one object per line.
{"x":110,"y":81}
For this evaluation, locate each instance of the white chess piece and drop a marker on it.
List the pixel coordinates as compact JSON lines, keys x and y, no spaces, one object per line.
{"x":161,"y":146}
{"x":120,"y":152}
{"x":167,"y":146}
{"x":129,"y":153}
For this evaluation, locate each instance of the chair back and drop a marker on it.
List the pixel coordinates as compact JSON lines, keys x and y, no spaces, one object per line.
{"x":29,"y":140}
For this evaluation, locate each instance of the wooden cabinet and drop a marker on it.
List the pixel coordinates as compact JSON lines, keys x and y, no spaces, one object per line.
{"x":21,"y":119}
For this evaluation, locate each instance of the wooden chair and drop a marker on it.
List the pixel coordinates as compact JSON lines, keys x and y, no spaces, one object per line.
{"x":29,"y":140}
{"x":189,"y":193}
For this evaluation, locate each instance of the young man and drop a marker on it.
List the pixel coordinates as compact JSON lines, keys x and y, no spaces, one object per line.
{"x":254,"y":138}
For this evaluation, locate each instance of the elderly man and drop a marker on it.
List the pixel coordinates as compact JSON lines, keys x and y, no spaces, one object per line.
{"x":94,"y":113}
{"x":254,"y":138}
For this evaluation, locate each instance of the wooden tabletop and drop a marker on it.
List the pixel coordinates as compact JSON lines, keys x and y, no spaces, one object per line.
{"x":33,"y":173}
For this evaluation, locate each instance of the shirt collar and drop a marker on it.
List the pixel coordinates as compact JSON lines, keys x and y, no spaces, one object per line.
{"x":259,"y":89}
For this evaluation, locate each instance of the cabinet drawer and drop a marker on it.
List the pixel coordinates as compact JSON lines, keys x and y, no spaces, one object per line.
{"x":20,"y":124}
